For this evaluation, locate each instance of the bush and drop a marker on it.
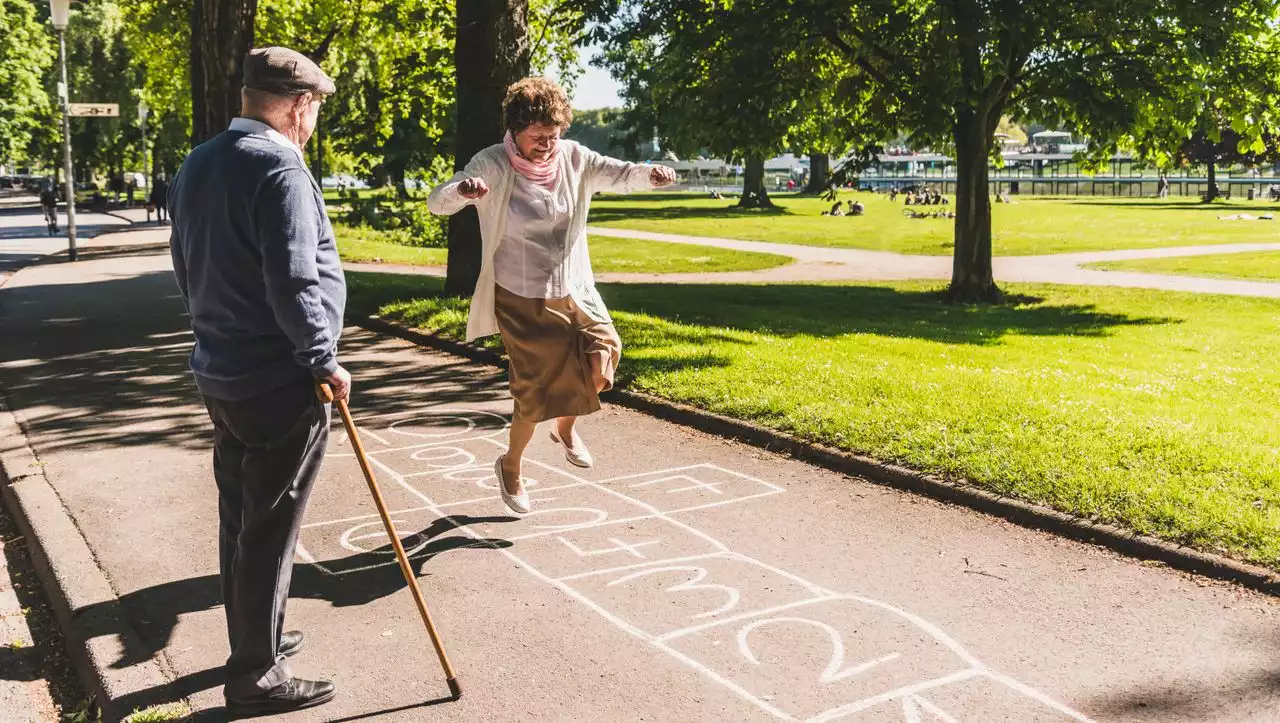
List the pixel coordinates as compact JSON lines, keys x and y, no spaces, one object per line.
{"x":404,"y":222}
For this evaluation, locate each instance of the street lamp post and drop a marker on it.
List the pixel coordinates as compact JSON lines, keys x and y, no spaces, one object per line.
{"x":60,"y":10}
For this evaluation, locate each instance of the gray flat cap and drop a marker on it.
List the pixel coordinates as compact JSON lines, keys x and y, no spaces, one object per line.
{"x":284,"y":72}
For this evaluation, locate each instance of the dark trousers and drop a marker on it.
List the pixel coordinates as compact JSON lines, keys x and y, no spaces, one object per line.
{"x":267,"y":454}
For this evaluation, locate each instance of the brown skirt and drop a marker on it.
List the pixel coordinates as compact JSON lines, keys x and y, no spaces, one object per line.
{"x":552,"y":346}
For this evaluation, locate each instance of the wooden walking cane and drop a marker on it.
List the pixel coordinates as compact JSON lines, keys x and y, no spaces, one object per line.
{"x":326,"y":394}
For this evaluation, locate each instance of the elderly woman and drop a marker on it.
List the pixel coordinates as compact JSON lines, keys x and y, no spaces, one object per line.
{"x":532,"y":192}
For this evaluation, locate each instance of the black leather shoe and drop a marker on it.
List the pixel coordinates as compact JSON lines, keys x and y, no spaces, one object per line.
{"x":290,"y":643}
{"x":293,"y":694}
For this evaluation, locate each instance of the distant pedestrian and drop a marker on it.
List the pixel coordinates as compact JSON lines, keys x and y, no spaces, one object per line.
{"x":257,"y":266}
{"x":533,"y":193}
{"x":1162,"y":186}
{"x":160,"y":197}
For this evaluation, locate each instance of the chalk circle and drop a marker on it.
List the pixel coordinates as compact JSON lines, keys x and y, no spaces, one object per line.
{"x":600,"y":516}
{"x":433,"y":455}
{"x":443,"y":420}
{"x":349,"y":538}
{"x":445,"y":423}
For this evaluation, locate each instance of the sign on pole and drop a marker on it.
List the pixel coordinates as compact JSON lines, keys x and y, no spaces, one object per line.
{"x":93,"y":110}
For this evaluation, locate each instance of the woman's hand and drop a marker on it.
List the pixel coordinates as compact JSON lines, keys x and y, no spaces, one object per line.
{"x":473,"y":188}
{"x":662,"y":176}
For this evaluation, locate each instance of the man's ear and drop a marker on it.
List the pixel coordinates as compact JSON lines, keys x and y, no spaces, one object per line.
{"x":301,"y":102}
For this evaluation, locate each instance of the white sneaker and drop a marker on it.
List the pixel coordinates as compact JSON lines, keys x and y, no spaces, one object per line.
{"x":578,"y":456}
{"x":518,"y":503}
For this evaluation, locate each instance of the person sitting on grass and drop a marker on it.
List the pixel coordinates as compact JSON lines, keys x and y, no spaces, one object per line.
{"x":856,"y":208}
{"x":836,"y":210}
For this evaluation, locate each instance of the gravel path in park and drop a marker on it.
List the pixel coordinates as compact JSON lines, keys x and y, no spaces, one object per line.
{"x":818,"y":263}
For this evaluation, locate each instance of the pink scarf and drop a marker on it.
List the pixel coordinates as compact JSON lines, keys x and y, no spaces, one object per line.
{"x":544,"y":174}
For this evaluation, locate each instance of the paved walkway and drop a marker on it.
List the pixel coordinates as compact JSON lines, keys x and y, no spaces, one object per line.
{"x":685,"y":578}
{"x":818,"y":263}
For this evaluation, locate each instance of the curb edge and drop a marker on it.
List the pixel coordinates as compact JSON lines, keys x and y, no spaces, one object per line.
{"x":1026,"y":514}
{"x":96,"y":630}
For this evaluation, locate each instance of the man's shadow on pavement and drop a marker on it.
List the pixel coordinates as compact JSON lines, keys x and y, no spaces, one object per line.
{"x":156,"y":610}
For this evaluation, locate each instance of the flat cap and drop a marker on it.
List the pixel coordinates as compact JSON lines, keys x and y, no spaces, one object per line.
{"x":284,"y":72}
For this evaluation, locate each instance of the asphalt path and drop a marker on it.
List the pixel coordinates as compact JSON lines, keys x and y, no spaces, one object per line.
{"x":685,"y":578}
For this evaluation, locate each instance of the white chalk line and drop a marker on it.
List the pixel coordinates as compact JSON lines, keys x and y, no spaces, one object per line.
{"x":617,"y":621}
{"x":366,"y":432}
{"x":861,"y":705}
{"x":977,"y":669}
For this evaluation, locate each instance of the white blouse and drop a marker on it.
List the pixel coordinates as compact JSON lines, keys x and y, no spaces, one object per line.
{"x":535,"y":257}
{"x":583,"y":173}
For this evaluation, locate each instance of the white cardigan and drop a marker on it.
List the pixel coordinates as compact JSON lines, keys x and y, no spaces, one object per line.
{"x":587,"y":170}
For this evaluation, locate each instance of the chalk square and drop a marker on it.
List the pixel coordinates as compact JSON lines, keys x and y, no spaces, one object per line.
{"x":682,"y":489}
{"x":560,"y":502}
{"x":814,"y":660}
{"x":610,"y":544}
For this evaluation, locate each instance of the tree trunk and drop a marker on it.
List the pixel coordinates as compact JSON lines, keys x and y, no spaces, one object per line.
{"x":490,"y":53}
{"x":754,"y":194}
{"x":1212,"y":193}
{"x":221,"y":35}
{"x":819,"y":173}
{"x":972,"y":278}
{"x":317,"y":159}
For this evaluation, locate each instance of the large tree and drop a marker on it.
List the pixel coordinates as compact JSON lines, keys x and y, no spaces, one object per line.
{"x":738,"y":80}
{"x":26,"y":54}
{"x":221,"y":35}
{"x":491,"y":51}
{"x":1229,"y":116}
{"x":948,"y":70}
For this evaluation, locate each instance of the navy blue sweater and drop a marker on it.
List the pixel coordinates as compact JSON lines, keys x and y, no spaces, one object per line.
{"x":257,"y":265}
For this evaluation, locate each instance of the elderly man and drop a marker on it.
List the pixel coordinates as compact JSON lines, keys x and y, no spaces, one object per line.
{"x":258,"y":269}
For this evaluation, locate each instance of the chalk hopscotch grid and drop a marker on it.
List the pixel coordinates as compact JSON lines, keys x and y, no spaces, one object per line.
{"x":909,"y":695}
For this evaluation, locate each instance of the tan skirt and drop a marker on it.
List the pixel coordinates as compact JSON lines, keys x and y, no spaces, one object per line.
{"x":555,"y":350}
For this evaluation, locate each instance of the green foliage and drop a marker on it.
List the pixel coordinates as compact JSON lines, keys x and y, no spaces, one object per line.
{"x":27,"y":112}
{"x":406,"y":222}
{"x":101,"y":69}
{"x":734,"y":80}
{"x":600,"y":130}
{"x":158,"y":37}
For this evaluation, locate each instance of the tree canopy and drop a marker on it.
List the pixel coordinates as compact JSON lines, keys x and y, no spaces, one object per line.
{"x":26,"y":109}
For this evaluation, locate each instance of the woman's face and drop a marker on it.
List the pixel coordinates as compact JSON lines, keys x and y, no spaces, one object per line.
{"x":538,"y":141}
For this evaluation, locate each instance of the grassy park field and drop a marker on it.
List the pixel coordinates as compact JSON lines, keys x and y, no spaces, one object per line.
{"x":608,"y":254}
{"x":1030,"y":226}
{"x":1154,"y":410}
{"x":1262,"y":266}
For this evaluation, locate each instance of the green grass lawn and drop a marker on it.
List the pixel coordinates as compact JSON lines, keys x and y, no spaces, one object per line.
{"x":1149,"y":409}
{"x":1262,"y":266}
{"x":1029,"y":226}
{"x":362,"y":244}
{"x":608,"y":254}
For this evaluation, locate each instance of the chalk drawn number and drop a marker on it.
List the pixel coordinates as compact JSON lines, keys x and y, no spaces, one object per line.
{"x":835,"y":670}
{"x":694,"y":584}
